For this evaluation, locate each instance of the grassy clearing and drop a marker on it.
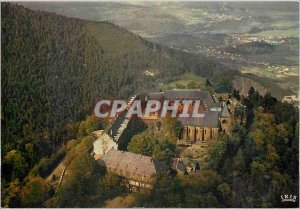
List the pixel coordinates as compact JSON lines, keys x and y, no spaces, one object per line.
{"x":186,"y":81}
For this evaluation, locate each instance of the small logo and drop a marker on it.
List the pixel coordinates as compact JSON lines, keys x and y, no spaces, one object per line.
{"x":288,"y":198}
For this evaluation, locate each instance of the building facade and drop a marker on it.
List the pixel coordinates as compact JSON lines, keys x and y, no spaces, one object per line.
{"x":226,"y":119}
{"x":110,"y":138}
{"x":200,"y":130}
{"x":138,"y":171}
{"x":103,"y":144}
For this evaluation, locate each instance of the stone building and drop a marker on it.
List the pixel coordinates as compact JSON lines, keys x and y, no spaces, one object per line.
{"x":185,"y":165}
{"x":103,"y":144}
{"x":200,"y":130}
{"x":226,"y":119}
{"x":207,"y":101}
{"x":109,"y":139}
{"x":138,"y":171}
{"x":292,"y":99}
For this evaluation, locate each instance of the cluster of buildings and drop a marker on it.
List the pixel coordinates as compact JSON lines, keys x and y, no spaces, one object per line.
{"x":138,"y":170}
{"x":218,"y":115}
{"x":292,"y":99}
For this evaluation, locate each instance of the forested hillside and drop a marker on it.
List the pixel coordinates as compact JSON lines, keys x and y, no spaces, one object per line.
{"x":55,"y":68}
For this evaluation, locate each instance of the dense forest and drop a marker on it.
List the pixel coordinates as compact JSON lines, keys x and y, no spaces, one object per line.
{"x":55,"y":68}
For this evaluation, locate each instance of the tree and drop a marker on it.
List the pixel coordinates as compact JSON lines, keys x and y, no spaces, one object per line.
{"x":216,"y":155}
{"x":71,"y":129}
{"x":11,"y":194}
{"x":18,"y":163}
{"x":236,"y":94}
{"x":239,"y":114}
{"x":268,"y":102}
{"x":35,"y":192}
{"x":254,"y":97}
{"x":225,"y":191}
{"x":251,"y":92}
{"x":239,"y":162}
{"x":192,"y":85}
{"x":140,"y":144}
{"x":30,"y":152}
{"x":249,"y":111}
{"x":111,"y":185}
{"x":88,"y":126}
{"x":258,"y":173}
{"x":80,"y":182}
{"x":172,"y":126}
{"x":153,"y":143}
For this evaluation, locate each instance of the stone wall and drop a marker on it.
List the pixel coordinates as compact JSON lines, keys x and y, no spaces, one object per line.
{"x":195,"y":134}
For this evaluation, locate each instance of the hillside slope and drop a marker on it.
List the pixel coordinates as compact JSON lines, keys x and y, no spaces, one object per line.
{"x":55,"y":68}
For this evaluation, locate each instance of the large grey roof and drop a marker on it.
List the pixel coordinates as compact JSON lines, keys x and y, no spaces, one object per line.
{"x":117,"y":126}
{"x":132,"y":164}
{"x":210,"y":120}
{"x":180,"y":166}
{"x":202,"y":95}
{"x":222,"y":89}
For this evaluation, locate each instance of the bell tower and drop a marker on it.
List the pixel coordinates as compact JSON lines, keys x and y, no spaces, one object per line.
{"x":226,"y":120}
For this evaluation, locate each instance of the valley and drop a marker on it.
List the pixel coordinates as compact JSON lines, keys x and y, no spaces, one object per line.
{"x":254,"y":38}
{"x":233,"y":61}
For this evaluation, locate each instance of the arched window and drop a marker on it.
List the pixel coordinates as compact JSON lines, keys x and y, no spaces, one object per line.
{"x":224,"y":121}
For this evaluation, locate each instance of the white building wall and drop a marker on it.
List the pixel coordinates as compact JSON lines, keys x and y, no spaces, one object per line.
{"x":98,"y":148}
{"x":103,"y":144}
